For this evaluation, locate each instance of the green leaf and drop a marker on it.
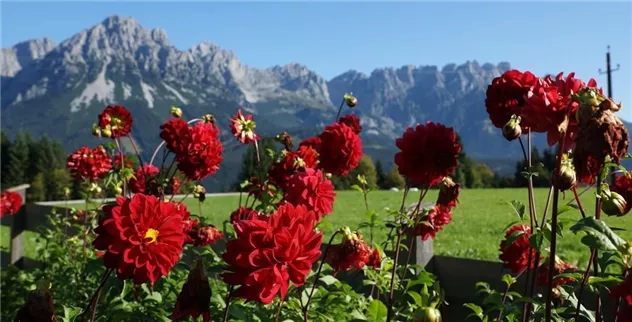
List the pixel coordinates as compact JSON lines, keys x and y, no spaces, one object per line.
{"x":328,"y":279}
{"x":512,"y":237}
{"x":598,"y":234}
{"x":377,"y":311}
{"x":536,"y":241}
{"x":477,"y":310}
{"x":127,"y":287}
{"x":416,"y":298}
{"x":509,"y":280}
{"x":566,"y":208}
{"x":356,"y":188}
{"x":518,"y":207}
{"x":70,"y":313}
{"x":357,"y":315}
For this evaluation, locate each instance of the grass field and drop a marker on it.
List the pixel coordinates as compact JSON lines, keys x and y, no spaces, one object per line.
{"x":475,"y":231}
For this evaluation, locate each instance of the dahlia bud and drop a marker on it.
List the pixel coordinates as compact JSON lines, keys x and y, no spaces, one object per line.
{"x":67,"y":192}
{"x":626,"y":248}
{"x":96,"y":130}
{"x":208,"y":118}
{"x":568,"y":179}
{"x":427,"y":314}
{"x":350,"y":100}
{"x":118,"y":190}
{"x":106,"y":132}
{"x":328,"y":175}
{"x":199,"y":192}
{"x":558,"y":299}
{"x":285,"y":139}
{"x":176,"y":111}
{"x":613,"y":204}
{"x":362,"y":179}
{"x":512,"y":129}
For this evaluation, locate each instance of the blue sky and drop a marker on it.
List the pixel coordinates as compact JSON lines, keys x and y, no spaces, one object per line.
{"x":333,"y":37}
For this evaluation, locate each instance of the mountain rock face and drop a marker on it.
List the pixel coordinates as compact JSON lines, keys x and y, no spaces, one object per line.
{"x":58,"y":90}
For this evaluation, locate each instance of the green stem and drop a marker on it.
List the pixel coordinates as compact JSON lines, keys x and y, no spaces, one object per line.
{"x":320,"y":268}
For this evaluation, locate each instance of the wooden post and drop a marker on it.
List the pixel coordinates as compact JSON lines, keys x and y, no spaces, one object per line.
{"x":18,"y":228}
{"x":421,"y":251}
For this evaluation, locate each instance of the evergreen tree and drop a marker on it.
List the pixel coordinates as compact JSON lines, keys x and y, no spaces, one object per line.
{"x":365,"y":167}
{"x":4,"y":155}
{"x":379,"y":172}
{"x":249,"y":166}
{"x":56,"y":182}
{"x":18,"y":161}
{"x":394,"y":179}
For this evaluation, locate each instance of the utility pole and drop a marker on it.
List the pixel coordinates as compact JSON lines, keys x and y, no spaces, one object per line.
{"x":608,"y":73}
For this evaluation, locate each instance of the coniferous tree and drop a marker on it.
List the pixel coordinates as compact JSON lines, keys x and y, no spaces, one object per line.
{"x":379,"y":172}
{"x":249,"y":166}
{"x":18,"y":161}
{"x":4,"y":155}
{"x":393,"y":179}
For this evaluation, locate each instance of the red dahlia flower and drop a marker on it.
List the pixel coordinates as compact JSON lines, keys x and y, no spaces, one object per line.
{"x":143,"y":175}
{"x":121,"y":162}
{"x":340,"y":149}
{"x":202,"y":152}
{"x":624,"y":291}
{"x":244,"y":213}
{"x":506,"y":95}
{"x":10,"y":203}
{"x":448,"y":193}
{"x":623,"y":186}
{"x":312,"y":142}
{"x":89,"y":164}
{"x":116,"y":120}
{"x":305,"y":157}
{"x":428,"y":153}
{"x":174,"y":133}
{"x":542,"y":277}
{"x":142,"y":237}
{"x":243,"y":128}
{"x":432,"y":222}
{"x":39,"y":305}
{"x":352,"y":121}
{"x":195,"y":298}
{"x":352,"y":253}
{"x":312,"y":190}
{"x":204,"y":235}
{"x":516,"y":255}
{"x":268,"y":254}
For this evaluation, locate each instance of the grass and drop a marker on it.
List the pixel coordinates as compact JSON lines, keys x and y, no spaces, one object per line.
{"x":475,"y":231}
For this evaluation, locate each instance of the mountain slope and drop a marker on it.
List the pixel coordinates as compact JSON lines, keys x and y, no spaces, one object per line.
{"x":58,"y":90}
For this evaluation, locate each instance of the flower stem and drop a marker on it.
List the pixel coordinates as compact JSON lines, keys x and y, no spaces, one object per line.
{"x":228,"y":297}
{"x":118,"y":145}
{"x":556,"y":196}
{"x":320,"y":268}
{"x":583,"y":284}
{"x":278,"y":313}
{"x":526,"y":307}
{"x":595,"y":262}
{"x":579,"y":203}
{"x":340,"y":109}
{"x":392,"y":291}
{"x":104,"y":278}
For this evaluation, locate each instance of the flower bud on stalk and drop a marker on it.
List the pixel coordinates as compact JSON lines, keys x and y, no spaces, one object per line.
{"x":96,"y":130}
{"x":208,"y":118}
{"x":512,"y":129}
{"x":613,"y":204}
{"x":567,"y":179}
{"x":626,"y":248}
{"x":199,"y":193}
{"x":106,"y":132}
{"x":427,"y":314}
{"x":350,"y":100}
{"x":176,"y":111}
{"x":118,"y":190}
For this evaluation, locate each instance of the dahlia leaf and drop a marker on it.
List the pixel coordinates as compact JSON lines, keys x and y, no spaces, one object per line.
{"x":509,"y":280}
{"x":357,"y":315}
{"x":536,"y":241}
{"x":513,"y":236}
{"x":416,"y":298}
{"x":328,"y":279}
{"x":598,"y":234}
{"x":127,"y":287}
{"x":70,"y":313}
{"x":377,"y":311}
{"x":518,"y":207}
{"x":356,"y":188}
{"x":477,"y":310}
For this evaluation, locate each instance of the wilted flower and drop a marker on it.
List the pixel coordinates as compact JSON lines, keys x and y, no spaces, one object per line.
{"x":542,"y":276}
{"x":39,"y":305}
{"x":351,"y":253}
{"x":428,"y":153}
{"x":430,"y":222}
{"x":243,"y":128}
{"x":205,"y":235}
{"x":448,"y":193}
{"x":116,"y":121}
{"x":285,"y":139}
{"x":195,"y":298}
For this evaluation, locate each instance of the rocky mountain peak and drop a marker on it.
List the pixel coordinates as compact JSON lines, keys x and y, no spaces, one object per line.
{"x":13,"y":59}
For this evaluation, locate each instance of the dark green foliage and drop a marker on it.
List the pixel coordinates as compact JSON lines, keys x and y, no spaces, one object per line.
{"x":18,"y":161}
{"x":379,"y":172}
{"x":393,"y":179}
{"x":249,"y":164}
{"x":365,"y":167}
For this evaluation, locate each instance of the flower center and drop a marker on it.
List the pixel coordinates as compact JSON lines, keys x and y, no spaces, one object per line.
{"x":247,"y":126}
{"x":151,"y":236}
{"x":115,"y":122}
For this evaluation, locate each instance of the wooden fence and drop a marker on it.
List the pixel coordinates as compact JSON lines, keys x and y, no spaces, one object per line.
{"x":457,"y":276}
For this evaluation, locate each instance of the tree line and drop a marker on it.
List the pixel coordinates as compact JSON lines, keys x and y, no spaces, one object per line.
{"x":38,"y":162}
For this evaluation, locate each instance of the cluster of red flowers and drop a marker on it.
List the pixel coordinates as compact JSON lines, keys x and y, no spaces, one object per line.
{"x":145,"y":180}
{"x":515,"y":254}
{"x":198,"y":148}
{"x":292,"y":161}
{"x":352,"y":253}
{"x":543,"y":104}
{"x":10,"y":203}
{"x":339,"y":148}
{"x":142,"y":237}
{"x":428,"y":153}
{"x":270,"y":252}
{"x":432,"y":221}
{"x":114,"y":122}
{"x":89,"y":164}
{"x":244,"y":213}
{"x":122,"y":161}
{"x":542,"y":277}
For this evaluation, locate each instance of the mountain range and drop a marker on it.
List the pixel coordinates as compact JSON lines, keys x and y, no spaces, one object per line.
{"x":58,"y":90}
